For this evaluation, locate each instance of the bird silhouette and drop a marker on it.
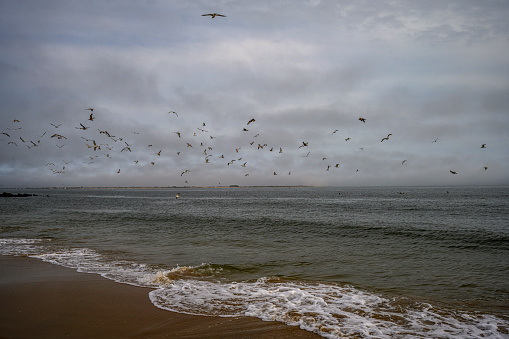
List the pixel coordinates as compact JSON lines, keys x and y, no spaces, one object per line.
{"x":363,"y":120}
{"x":483,"y":146}
{"x":453,"y":172}
{"x":83,"y":127}
{"x":250,"y":121}
{"x":213,"y":15}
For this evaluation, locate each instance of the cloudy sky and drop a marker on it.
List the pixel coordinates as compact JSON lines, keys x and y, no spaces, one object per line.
{"x":432,"y":74}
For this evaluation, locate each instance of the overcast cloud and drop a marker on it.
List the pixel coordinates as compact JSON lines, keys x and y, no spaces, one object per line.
{"x":432,"y":74}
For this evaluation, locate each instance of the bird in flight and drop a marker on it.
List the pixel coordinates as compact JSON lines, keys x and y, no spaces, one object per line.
{"x":250,"y":121}
{"x":485,"y":168}
{"x":213,"y":15}
{"x":363,"y":120}
{"x":434,"y":140}
{"x":453,"y":172}
{"x":82,"y":127}
{"x":89,"y":109}
{"x":91,"y":117}
{"x":403,"y":162}
{"x":304,"y":144}
{"x":483,"y":146}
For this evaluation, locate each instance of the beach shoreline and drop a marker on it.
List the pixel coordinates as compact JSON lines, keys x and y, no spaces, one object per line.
{"x":42,"y":300}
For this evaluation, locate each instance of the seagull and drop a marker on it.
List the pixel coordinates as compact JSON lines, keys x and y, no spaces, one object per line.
{"x":335,"y":131}
{"x":89,"y":109}
{"x":94,"y":146}
{"x":250,"y":121}
{"x":304,"y":144}
{"x":403,"y":162}
{"x":91,"y":117}
{"x":173,"y":112}
{"x":213,"y":15}
{"x":453,"y":172}
{"x":83,"y":127}
{"x":434,"y":140}
{"x":363,"y":120}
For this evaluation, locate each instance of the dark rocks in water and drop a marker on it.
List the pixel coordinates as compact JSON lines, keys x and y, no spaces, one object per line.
{"x":10,"y":195}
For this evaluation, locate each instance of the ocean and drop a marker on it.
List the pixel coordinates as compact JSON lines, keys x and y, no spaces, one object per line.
{"x":355,"y":262}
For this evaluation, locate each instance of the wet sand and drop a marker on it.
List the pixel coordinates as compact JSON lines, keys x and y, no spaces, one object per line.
{"x":41,"y":300}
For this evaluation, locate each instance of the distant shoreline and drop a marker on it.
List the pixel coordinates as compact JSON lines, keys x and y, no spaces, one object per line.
{"x":156,"y":187}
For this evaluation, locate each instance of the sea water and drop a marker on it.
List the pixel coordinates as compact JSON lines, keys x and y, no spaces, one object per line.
{"x":382,"y":262}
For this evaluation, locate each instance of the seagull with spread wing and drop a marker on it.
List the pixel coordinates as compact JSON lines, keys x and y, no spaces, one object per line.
{"x":213,"y":15}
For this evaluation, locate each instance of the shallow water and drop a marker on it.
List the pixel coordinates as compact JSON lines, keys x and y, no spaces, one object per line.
{"x":366,"y":262}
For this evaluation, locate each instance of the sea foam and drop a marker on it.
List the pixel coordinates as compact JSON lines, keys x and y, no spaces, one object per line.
{"x":331,"y":311}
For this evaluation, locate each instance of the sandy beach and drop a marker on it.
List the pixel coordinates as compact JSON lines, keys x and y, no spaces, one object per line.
{"x":41,"y":300}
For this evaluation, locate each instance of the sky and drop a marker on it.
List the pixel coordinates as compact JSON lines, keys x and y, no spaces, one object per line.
{"x":173,"y":92}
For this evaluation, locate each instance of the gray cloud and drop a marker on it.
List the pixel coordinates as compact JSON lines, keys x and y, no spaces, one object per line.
{"x":422,"y":72}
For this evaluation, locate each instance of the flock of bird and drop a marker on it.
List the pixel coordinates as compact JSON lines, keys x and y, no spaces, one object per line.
{"x":102,"y":144}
